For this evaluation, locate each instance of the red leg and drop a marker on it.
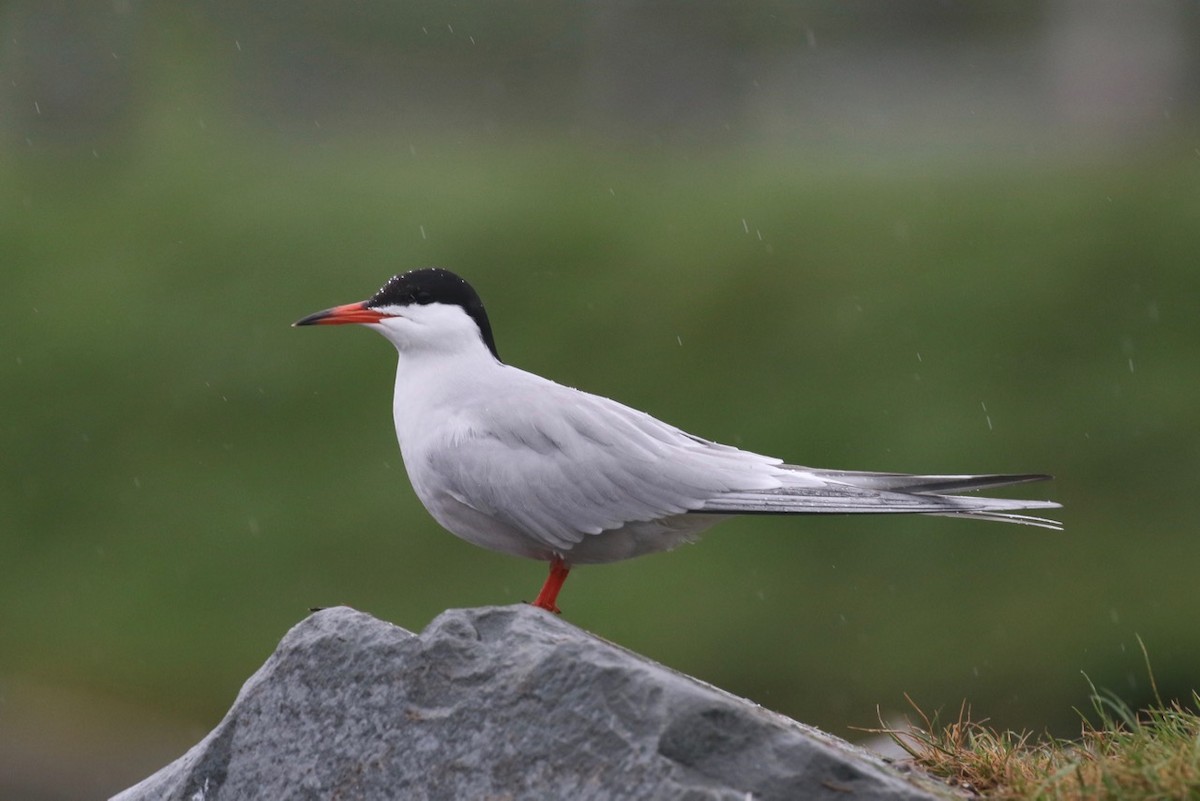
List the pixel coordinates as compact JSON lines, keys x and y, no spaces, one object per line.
{"x":549,"y":594}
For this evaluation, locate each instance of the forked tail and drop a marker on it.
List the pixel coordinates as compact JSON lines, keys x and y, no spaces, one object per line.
{"x":812,"y":491}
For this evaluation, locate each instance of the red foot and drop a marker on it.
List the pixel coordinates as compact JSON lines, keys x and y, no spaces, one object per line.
{"x":549,"y":594}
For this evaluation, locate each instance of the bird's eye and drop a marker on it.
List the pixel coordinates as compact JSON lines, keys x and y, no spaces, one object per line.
{"x":422,"y":296}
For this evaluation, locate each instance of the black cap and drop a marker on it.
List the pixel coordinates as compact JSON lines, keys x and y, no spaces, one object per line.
{"x":435,"y":285}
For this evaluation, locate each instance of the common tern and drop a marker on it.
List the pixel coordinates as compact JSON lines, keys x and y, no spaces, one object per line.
{"x":517,"y":463}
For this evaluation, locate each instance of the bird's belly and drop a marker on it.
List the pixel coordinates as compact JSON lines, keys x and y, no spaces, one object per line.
{"x":636,"y":538}
{"x":639,"y":538}
{"x":481,"y":529}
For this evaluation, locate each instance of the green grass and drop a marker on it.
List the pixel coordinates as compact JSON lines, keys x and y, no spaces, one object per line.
{"x":1120,"y":754}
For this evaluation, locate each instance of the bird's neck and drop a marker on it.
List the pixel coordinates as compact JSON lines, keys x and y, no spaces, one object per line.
{"x":432,"y":387}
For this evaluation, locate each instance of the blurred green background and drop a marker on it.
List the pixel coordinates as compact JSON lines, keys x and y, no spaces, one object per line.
{"x":922,"y":237}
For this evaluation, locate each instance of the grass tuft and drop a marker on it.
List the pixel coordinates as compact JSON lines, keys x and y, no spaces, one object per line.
{"x":1120,"y":754}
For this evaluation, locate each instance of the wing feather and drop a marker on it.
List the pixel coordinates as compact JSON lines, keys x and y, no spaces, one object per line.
{"x":564,"y":465}
{"x":810,"y":491}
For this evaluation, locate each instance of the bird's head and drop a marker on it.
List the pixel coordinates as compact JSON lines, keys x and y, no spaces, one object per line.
{"x":427,"y":309}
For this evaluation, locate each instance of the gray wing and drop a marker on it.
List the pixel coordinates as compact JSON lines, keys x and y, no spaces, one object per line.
{"x":559,"y":465}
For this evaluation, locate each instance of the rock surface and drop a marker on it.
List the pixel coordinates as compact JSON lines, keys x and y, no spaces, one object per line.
{"x":502,"y":703}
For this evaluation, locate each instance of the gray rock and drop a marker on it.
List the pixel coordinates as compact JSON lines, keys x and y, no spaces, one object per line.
{"x":502,"y":703}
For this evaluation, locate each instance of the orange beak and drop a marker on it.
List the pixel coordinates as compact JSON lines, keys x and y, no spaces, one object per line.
{"x":341,"y":315}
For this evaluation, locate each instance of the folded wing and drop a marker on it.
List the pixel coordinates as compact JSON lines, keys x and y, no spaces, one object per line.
{"x":560,"y":465}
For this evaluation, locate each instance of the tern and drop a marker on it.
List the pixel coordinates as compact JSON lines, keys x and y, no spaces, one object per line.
{"x":516,"y":463}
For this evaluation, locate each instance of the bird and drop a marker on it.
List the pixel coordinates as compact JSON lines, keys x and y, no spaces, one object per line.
{"x":517,"y":463}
